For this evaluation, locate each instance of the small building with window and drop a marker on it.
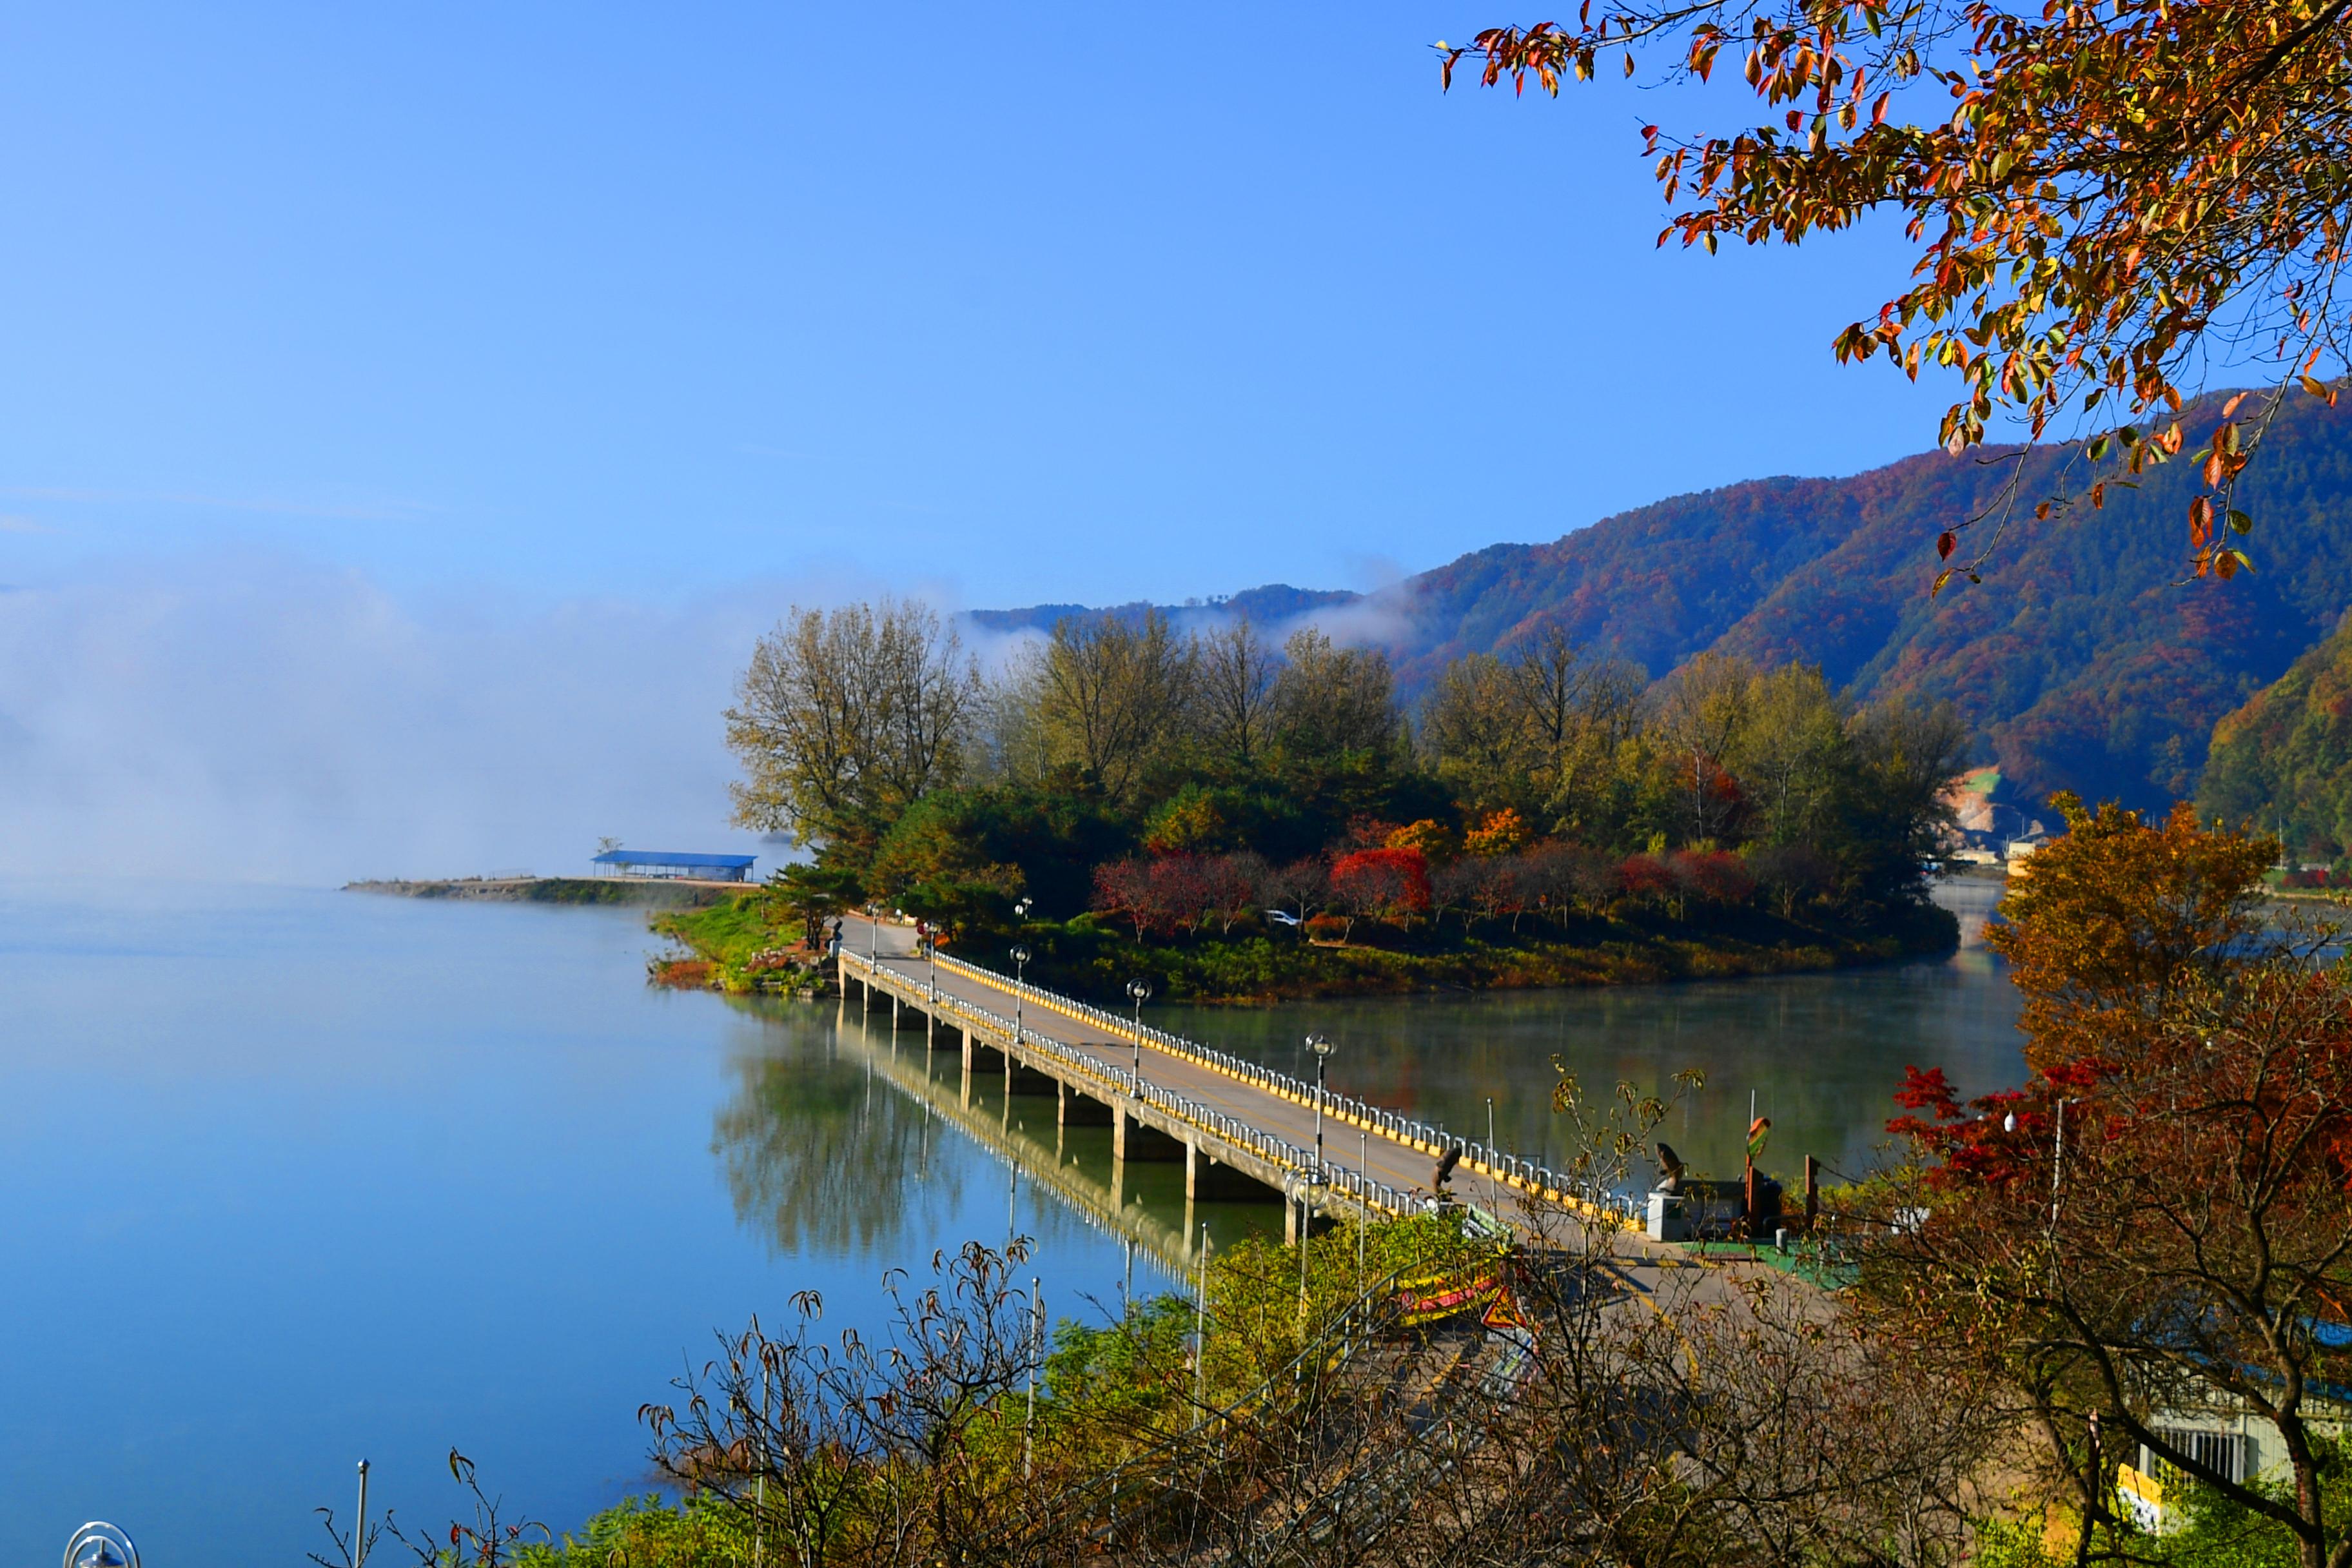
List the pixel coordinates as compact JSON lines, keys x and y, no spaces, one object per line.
{"x":672,"y":865}
{"x":2224,"y":1437}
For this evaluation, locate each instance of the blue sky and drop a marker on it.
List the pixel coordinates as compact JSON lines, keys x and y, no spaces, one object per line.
{"x":410,"y":415}
{"x":1044,"y":304}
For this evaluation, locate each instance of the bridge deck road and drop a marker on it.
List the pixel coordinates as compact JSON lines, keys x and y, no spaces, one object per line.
{"x":1641,"y":1262}
{"x":1344,"y":1147}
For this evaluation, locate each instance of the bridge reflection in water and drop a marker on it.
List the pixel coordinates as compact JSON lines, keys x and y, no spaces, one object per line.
{"x":1020,"y":1118}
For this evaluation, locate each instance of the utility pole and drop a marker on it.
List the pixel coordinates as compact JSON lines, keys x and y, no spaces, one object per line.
{"x":1036,"y":1350}
{"x":1201,"y":1318}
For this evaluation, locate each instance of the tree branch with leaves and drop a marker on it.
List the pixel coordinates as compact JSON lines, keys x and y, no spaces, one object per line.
{"x":2108,"y":204}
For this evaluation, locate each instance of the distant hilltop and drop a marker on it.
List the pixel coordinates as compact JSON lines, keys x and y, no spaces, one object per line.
{"x":1269,"y":606}
{"x":2082,"y":662}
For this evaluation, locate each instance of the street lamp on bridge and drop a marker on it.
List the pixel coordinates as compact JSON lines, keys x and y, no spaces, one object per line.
{"x":1020,"y":963}
{"x":1140,"y":989}
{"x":1322,"y":1046}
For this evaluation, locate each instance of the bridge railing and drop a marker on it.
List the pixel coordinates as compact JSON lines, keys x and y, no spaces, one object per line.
{"x":1527,"y":1175}
{"x":1280,"y":1152}
{"x":1345,"y":1107}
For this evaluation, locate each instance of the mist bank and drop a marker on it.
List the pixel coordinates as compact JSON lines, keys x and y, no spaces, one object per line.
{"x":262,"y":717}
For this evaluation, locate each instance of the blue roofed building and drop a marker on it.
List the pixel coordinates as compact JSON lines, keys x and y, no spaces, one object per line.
{"x":677,"y":864}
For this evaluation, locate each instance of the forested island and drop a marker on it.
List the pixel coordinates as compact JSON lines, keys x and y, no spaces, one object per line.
{"x":1235,"y":819}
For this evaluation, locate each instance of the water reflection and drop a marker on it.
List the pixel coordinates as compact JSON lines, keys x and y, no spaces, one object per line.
{"x":839,"y":1126}
{"x":815,"y":1154}
{"x":1819,"y":1054}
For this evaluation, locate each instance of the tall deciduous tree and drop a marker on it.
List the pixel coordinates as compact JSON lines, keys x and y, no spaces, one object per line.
{"x":1703,"y":713}
{"x":1893,"y":814}
{"x":1111,"y":695}
{"x":1792,"y":753}
{"x":1234,"y":699}
{"x":2106,"y":201}
{"x":845,"y":716}
{"x":1579,"y":713}
{"x":2111,"y":926}
{"x":1475,"y":731}
{"x":1330,"y":701}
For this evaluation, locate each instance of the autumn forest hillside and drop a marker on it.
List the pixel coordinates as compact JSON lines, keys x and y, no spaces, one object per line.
{"x":2080,"y":662}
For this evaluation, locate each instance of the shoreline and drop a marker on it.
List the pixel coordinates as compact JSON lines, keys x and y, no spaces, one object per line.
{"x":583,"y":890}
{"x":726,"y":949}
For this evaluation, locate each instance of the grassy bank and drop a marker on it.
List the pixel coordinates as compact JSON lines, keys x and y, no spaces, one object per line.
{"x":730,"y":946}
{"x":1092,"y":959}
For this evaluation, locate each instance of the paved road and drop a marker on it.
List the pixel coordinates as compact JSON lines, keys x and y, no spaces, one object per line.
{"x":1347,"y":1148}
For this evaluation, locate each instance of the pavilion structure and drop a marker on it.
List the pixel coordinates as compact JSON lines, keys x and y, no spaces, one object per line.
{"x":675,"y":865}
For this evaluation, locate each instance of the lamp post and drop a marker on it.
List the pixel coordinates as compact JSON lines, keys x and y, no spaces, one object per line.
{"x":1363,"y":1214}
{"x":1322,"y":1048}
{"x":1021,"y":910}
{"x":1140,"y":989}
{"x":1307,"y":1191}
{"x":1020,"y":964}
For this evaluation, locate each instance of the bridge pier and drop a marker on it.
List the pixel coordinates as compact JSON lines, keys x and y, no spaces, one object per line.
{"x":979,"y":1057}
{"x":1207,"y":1181}
{"x":1132,"y":1140}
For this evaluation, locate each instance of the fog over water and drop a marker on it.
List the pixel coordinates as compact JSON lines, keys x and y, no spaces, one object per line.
{"x":262,"y":717}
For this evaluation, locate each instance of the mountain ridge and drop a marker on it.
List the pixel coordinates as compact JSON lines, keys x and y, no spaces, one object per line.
{"x":2082,"y":661}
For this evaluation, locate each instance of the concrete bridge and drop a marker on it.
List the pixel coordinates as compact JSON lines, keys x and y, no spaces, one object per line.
{"x":1242,"y":1131}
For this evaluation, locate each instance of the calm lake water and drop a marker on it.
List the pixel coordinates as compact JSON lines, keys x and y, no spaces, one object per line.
{"x":295,"y":1177}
